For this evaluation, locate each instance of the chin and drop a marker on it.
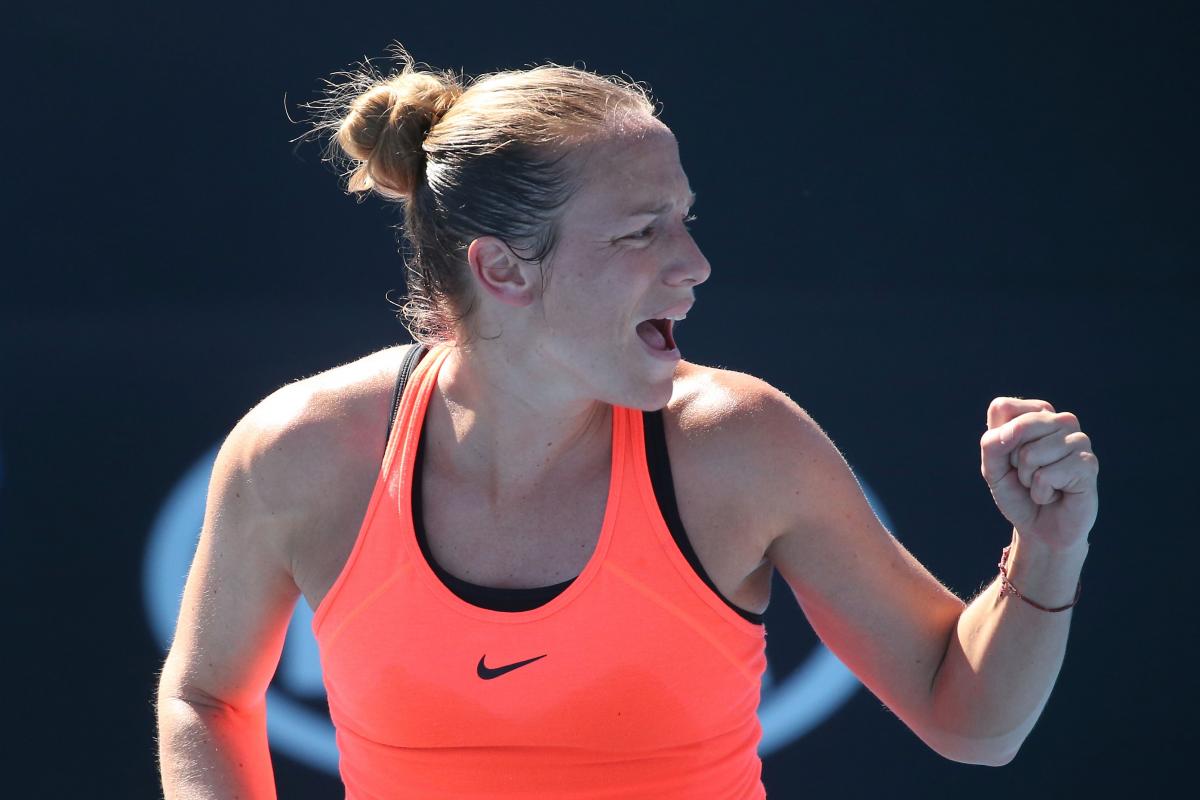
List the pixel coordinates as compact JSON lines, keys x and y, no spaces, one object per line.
{"x":637,"y":383}
{"x":653,"y":395}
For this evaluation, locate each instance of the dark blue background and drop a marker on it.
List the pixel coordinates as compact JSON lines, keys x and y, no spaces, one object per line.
{"x":909,"y":210}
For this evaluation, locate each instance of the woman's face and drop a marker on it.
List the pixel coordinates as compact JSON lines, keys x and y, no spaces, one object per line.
{"x":624,"y":256}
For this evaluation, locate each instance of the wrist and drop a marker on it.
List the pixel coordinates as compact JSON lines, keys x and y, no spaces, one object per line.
{"x":1036,"y":549}
{"x":1047,"y":577}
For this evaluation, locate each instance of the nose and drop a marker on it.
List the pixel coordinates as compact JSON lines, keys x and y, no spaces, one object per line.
{"x":689,"y":267}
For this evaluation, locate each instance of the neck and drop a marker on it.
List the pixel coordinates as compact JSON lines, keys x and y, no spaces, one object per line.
{"x":513,"y":422}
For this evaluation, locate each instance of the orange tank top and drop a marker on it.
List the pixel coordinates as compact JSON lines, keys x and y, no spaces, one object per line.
{"x":635,"y":679}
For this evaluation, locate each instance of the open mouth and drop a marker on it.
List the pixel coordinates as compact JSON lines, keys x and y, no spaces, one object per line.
{"x":658,"y":334}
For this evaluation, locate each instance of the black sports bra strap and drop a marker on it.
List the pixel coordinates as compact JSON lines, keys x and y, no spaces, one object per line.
{"x":415,"y":354}
{"x":658,"y":463}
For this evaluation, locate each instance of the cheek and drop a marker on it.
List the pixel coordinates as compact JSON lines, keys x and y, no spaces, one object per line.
{"x":583,"y":306}
{"x":596,"y":291}
{"x":592,"y":323}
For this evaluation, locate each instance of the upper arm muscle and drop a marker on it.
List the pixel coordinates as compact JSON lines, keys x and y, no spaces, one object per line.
{"x":874,"y":605}
{"x":239,"y":594}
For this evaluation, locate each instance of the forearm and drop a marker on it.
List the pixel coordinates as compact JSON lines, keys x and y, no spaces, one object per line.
{"x":213,"y":752}
{"x":1004,"y":655}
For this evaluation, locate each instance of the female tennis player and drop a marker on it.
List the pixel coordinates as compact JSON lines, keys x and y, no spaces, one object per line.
{"x":538,"y":542}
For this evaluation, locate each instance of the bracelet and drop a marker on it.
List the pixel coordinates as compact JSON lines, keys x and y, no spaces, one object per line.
{"x":1008,"y":588}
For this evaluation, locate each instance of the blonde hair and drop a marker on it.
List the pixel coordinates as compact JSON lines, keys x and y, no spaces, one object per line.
{"x":467,"y":158}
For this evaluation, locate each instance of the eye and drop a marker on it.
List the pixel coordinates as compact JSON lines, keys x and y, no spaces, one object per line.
{"x":648,"y":231}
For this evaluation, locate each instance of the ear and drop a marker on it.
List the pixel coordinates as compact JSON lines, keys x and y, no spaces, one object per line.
{"x":499,"y":272}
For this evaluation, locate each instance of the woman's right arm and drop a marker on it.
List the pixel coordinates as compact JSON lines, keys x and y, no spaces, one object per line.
{"x":237,"y":602}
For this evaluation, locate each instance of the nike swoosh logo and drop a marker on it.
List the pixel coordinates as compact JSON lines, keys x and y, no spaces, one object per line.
{"x":487,"y":673}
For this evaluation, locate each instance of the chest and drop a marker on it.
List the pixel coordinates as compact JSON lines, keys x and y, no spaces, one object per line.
{"x":547,"y":534}
{"x":539,"y":537}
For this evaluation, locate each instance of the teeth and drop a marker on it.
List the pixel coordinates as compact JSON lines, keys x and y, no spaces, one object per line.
{"x":681,"y":316}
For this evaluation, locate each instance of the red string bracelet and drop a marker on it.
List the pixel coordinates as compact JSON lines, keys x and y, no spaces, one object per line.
{"x":1008,"y":588}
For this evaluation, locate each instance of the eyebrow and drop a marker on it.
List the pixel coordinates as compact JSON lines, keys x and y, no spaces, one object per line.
{"x":656,"y":210}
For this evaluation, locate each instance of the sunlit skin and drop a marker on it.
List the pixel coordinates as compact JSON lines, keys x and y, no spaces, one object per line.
{"x":562,"y":355}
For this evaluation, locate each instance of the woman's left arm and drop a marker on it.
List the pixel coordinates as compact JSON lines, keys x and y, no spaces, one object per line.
{"x":1005,"y":654}
{"x":969,"y":679}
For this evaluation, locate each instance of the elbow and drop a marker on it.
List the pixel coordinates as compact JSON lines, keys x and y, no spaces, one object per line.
{"x":982,"y":759}
{"x":1004,"y":759}
{"x":993,"y":752}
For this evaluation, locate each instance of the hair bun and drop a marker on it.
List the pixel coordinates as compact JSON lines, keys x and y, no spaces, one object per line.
{"x":386,"y":125}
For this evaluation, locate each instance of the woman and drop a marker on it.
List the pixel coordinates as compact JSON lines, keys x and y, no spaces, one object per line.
{"x":548,"y":579}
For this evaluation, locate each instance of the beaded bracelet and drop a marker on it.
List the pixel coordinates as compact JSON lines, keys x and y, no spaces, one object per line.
{"x":1008,"y":588}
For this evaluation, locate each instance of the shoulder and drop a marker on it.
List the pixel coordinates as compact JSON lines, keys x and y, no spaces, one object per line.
{"x":746,"y":440}
{"x":731,"y":411}
{"x":308,"y":439}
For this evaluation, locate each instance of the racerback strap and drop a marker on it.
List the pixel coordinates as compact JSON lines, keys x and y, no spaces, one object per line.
{"x":415,"y":353}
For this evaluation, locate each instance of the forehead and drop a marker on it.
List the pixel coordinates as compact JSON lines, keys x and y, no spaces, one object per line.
{"x":628,"y":172}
